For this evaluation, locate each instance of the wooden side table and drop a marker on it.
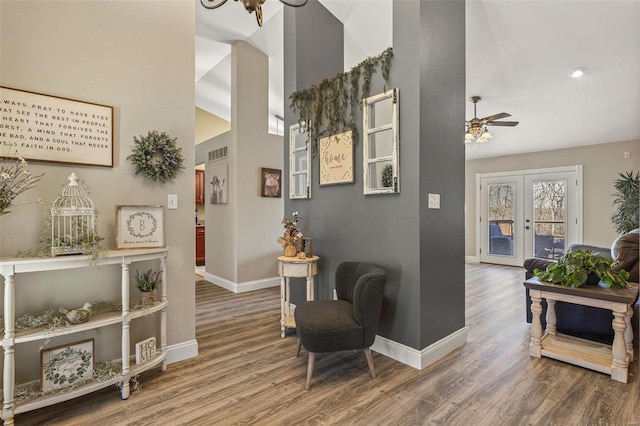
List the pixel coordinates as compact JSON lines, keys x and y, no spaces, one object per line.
{"x":289,"y":267}
{"x":609,"y":359}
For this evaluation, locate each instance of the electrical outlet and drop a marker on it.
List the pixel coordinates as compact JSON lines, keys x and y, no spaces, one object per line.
{"x":172,"y":201}
{"x":434,"y":201}
{"x":627,"y":154}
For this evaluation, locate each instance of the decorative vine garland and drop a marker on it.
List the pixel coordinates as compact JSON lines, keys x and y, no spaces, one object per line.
{"x":333,"y":101}
{"x":156,"y":156}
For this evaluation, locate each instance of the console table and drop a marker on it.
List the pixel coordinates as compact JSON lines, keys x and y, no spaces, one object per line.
{"x":609,"y":359}
{"x":289,"y":267}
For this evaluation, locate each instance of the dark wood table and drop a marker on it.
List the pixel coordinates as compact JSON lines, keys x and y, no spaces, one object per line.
{"x":609,"y":359}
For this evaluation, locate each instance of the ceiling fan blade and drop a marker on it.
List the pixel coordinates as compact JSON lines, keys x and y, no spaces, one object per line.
{"x":496,"y":117}
{"x":503,"y":123}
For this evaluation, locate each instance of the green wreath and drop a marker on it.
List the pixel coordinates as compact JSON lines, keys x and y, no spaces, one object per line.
{"x":156,"y":156}
{"x":53,"y":373}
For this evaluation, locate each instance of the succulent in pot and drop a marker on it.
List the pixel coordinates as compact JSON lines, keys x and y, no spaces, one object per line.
{"x":147,"y":283}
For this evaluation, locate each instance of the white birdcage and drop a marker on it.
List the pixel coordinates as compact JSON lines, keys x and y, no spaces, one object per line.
{"x":73,"y":220}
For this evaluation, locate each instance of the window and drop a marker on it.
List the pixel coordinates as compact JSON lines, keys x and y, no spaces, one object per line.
{"x":380,"y":159}
{"x":299,"y":162}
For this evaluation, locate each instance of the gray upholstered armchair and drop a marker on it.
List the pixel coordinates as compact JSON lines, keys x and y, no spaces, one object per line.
{"x":349,"y":323}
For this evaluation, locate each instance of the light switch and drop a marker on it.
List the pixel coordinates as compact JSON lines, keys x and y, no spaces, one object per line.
{"x":172,"y":201}
{"x":434,"y":201}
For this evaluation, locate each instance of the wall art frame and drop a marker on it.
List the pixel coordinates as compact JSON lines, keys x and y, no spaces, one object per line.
{"x":219,"y":184}
{"x":139,"y":226}
{"x":271,"y":183}
{"x":336,"y":159}
{"x":53,"y":129}
{"x":66,"y":365}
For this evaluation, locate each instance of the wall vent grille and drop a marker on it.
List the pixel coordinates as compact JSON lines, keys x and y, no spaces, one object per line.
{"x":217,"y":154}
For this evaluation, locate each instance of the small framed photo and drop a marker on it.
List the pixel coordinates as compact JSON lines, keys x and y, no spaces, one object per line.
{"x":271,"y":183}
{"x":139,"y":226}
{"x":336,"y":159}
{"x":305,"y":246}
{"x":66,"y":365}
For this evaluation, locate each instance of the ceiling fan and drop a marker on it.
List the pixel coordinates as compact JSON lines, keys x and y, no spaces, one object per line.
{"x":476,"y":129}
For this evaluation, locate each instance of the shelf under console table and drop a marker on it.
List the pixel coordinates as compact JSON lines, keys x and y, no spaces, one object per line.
{"x":10,"y":267}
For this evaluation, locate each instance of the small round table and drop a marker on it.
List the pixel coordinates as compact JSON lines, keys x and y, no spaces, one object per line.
{"x":291,"y":267}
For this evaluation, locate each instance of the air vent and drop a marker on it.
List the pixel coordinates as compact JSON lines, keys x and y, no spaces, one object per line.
{"x":218,"y":154}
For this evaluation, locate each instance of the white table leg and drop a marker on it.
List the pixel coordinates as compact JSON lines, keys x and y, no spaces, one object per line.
{"x":628,"y":333}
{"x":551,"y":317}
{"x":619,"y":364}
{"x":282,"y":304}
{"x":535,"y":347}
{"x":310,"y":289}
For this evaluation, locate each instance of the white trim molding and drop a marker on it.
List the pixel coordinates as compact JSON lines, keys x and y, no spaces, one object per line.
{"x":182,"y":351}
{"x":471,"y":259}
{"x":420,"y":359}
{"x":242,"y":287}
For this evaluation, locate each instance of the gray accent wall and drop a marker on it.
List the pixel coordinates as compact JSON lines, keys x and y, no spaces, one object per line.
{"x":421,"y":249}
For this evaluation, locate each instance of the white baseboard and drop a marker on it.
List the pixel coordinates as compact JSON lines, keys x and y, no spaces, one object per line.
{"x":182,"y":351}
{"x":471,"y":259}
{"x":242,"y":287}
{"x":420,"y":359}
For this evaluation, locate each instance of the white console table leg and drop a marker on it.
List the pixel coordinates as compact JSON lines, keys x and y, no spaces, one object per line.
{"x":628,"y":333}
{"x":619,"y":364}
{"x":535,"y":347}
{"x":282,"y":304}
{"x":551,"y":317}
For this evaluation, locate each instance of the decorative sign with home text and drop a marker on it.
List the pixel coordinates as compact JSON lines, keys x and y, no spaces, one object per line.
{"x":48,"y":128}
{"x":336,"y":158}
{"x":145,"y":350}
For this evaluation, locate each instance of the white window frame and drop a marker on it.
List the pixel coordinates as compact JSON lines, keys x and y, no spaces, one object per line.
{"x":294,"y":171}
{"x":367,"y":132}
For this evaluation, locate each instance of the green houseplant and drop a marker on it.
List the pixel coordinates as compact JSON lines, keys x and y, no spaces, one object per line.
{"x":147,"y":283}
{"x":580,"y":266}
{"x":626,"y":202}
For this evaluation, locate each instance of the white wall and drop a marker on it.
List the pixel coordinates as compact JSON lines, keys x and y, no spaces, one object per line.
{"x":602,"y":163}
{"x":241,"y":235}
{"x":139,"y":58}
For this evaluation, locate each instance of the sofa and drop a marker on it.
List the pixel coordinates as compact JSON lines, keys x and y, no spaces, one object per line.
{"x":585,"y":321}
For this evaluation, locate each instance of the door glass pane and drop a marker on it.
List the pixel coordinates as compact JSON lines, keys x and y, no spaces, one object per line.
{"x":549,"y":218}
{"x":300,"y":139}
{"x":501,"y":217}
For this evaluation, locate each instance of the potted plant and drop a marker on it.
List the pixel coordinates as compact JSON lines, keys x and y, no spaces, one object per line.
{"x":626,"y":202}
{"x":147,"y":283}
{"x":583,"y":266}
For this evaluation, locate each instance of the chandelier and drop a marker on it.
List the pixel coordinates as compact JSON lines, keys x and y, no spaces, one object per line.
{"x":251,"y":5}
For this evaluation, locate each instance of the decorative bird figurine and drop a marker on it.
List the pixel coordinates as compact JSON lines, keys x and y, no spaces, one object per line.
{"x":78,"y":315}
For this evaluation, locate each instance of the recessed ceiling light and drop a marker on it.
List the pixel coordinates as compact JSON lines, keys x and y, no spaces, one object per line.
{"x":578,"y":72}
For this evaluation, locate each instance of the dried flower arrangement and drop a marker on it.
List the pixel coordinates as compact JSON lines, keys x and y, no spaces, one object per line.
{"x":292,"y":235}
{"x":15,"y":179}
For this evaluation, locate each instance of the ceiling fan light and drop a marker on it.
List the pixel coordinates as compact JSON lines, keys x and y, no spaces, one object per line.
{"x":468,"y":137}
{"x":484,"y":136}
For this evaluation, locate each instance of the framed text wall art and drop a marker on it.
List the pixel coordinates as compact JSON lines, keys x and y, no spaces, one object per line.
{"x":40,"y":127}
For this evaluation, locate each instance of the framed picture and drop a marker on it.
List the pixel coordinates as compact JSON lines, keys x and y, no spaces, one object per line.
{"x":305,"y":246}
{"x":139,"y":226}
{"x":57,"y":130}
{"x":271,"y":183}
{"x":220,"y":184}
{"x":66,"y":365}
{"x":336,"y":159}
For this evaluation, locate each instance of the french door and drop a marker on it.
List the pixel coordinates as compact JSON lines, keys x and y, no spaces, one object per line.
{"x":528,"y":213}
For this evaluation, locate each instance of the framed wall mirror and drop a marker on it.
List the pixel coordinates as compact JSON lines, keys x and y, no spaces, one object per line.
{"x":299,"y":162}
{"x":381,"y":174}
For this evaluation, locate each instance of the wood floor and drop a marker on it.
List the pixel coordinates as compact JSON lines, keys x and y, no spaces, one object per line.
{"x":247,"y":375}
